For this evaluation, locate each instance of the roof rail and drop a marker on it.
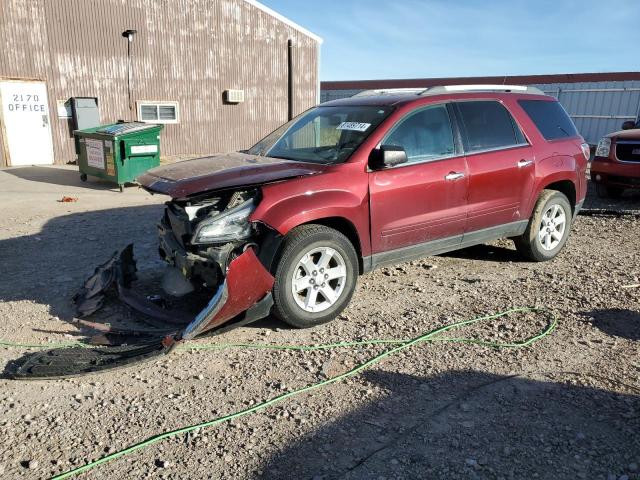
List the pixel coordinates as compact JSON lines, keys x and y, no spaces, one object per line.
{"x":482,"y":88}
{"x":390,"y":91}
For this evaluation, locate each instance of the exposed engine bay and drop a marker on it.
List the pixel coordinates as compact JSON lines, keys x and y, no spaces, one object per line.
{"x":200,"y":236}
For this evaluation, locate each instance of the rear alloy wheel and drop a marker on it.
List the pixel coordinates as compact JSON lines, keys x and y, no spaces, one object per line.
{"x":548,"y":227}
{"x":552,"y":227}
{"x":315,"y":276}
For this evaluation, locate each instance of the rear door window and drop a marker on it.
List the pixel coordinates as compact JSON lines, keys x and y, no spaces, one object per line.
{"x":550,"y":118}
{"x":488,"y":125}
{"x":425,"y":134}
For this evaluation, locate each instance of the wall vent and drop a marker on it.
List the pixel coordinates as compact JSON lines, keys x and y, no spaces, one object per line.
{"x":234,"y":96}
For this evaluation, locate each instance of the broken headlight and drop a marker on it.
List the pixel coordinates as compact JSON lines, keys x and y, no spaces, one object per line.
{"x":227,"y":226}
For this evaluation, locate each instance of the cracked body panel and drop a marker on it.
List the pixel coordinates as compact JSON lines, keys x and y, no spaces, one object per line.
{"x":246,"y":283}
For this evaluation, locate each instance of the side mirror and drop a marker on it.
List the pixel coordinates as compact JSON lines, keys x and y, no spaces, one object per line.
{"x":387,"y":156}
{"x":628,"y":125}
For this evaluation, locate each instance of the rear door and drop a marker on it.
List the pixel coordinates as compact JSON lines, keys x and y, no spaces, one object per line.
{"x":500,"y":161}
{"x":425,"y":198}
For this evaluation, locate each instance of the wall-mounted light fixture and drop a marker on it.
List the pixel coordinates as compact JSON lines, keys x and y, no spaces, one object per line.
{"x":128,"y":34}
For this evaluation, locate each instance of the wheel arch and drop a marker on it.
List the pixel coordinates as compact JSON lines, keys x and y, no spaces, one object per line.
{"x":273,"y":241}
{"x":567,"y":188}
{"x":347,"y":228}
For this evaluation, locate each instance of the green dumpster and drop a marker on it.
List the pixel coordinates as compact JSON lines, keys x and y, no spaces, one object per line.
{"x":118,"y":152}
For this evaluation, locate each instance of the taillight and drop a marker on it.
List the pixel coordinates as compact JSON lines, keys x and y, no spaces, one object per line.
{"x":586,"y":151}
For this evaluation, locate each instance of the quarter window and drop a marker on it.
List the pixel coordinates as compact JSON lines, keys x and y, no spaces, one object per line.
{"x":158,"y":112}
{"x":424,"y":135}
{"x":550,"y":118}
{"x":488,"y":125}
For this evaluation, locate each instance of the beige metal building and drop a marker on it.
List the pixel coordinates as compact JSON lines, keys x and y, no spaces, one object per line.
{"x":219,"y":73}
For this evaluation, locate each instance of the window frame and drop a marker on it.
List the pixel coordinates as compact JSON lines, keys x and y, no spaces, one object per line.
{"x":463,"y":131}
{"x":455,"y":134}
{"x":158,"y":104}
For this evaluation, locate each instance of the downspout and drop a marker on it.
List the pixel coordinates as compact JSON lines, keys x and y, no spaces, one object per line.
{"x":290,"y":78}
{"x":318,"y":59}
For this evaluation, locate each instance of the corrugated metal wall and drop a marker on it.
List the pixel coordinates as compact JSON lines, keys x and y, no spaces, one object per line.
{"x":188,"y":51}
{"x":597,"y":108}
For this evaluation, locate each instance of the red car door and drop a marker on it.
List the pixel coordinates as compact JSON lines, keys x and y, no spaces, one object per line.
{"x":424,"y":199}
{"x":500,"y":162}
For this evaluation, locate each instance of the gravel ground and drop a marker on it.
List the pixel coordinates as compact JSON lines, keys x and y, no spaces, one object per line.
{"x":567,"y":407}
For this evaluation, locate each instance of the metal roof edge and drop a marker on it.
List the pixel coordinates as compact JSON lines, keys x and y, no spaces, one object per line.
{"x":517,"y":79}
{"x":285,"y":20}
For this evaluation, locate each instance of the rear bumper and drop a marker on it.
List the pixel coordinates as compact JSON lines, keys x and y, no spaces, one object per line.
{"x":608,"y":172}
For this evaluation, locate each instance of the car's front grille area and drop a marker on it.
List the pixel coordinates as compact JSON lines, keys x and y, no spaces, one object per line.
{"x":628,"y":152}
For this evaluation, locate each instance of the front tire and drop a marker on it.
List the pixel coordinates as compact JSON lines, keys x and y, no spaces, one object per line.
{"x":315,"y":276}
{"x":548,"y":228}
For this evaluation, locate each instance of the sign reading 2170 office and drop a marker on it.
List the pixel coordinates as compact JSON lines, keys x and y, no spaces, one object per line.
{"x":26,"y":102}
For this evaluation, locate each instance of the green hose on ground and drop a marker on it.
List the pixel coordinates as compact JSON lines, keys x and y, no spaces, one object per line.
{"x":401,"y":345}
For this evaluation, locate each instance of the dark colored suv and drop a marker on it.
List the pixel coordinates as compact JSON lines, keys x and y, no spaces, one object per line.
{"x":287,"y":226}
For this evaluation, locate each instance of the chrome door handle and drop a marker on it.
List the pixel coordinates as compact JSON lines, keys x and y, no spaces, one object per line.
{"x":454,"y":176}
{"x":524,"y":163}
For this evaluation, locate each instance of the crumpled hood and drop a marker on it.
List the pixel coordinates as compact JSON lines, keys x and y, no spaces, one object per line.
{"x":220,"y":172}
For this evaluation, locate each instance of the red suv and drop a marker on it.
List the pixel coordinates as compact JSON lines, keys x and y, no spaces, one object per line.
{"x":351,"y":185}
{"x":616,"y":165}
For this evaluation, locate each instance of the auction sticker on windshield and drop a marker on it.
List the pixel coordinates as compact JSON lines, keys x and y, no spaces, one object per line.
{"x":356,"y":126}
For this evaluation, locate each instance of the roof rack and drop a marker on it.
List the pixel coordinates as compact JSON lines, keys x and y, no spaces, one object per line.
{"x":482,"y":88}
{"x":390,"y":91}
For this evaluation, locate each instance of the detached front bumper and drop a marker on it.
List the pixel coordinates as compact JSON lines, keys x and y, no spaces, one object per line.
{"x":245,"y":284}
{"x":244,"y":296}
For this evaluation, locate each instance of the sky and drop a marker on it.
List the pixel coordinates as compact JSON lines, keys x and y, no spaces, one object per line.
{"x":374,"y":39}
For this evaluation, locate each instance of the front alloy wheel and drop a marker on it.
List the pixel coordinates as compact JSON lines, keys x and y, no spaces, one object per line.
{"x":315,"y":276}
{"x":319,"y":279}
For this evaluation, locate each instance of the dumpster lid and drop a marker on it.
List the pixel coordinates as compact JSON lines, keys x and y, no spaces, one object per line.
{"x":129,"y":127}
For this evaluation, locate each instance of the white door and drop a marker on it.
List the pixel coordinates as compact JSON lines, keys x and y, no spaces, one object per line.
{"x":25,"y":114}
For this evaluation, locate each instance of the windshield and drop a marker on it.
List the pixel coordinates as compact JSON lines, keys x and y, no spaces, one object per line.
{"x":322,"y":134}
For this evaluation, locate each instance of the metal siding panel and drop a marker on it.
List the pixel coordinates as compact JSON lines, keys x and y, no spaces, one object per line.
{"x":24,"y":46}
{"x":187,"y":51}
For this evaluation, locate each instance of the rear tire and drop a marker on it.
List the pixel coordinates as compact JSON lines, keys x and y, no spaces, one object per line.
{"x":315,"y":276}
{"x":548,"y":227}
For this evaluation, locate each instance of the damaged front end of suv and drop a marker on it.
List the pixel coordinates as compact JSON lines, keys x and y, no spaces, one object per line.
{"x":211,"y":246}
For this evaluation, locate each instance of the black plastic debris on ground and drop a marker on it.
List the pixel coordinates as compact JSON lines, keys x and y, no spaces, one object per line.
{"x":73,"y":361}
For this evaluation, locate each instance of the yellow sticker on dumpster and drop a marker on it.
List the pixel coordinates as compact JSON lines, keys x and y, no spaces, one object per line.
{"x":111,"y":167}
